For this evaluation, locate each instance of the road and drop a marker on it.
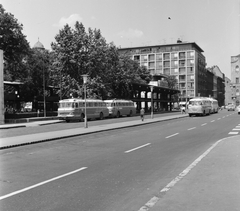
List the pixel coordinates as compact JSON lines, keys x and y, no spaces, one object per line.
{"x":114,"y":170}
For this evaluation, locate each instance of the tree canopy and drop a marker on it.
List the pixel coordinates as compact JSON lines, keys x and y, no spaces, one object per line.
{"x":77,"y":52}
{"x":14,"y":44}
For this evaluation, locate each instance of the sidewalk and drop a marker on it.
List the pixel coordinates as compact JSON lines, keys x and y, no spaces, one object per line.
{"x":211,"y":184}
{"x":54,"y":135}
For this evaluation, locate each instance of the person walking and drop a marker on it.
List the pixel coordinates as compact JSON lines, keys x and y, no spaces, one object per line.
{"x":182,"y":109}
{"x":142,"y":111}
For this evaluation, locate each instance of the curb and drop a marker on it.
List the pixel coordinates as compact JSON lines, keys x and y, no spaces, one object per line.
{"x":90,"y":132}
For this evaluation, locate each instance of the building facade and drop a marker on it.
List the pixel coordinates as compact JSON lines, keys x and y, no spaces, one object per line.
{"x":235,"y":77}
{"x":183,"y":60}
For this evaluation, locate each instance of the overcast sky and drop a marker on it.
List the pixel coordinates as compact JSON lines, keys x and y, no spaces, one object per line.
{"x":213,"y":24}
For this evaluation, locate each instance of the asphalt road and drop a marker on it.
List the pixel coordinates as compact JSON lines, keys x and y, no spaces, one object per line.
{"x":114,"y":170}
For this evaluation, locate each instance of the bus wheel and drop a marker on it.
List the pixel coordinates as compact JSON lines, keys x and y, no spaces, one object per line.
{"x":67,"y":120}
{"x":190,"y":115}
{"x":101,"y":116}
{"x":118,"y":114}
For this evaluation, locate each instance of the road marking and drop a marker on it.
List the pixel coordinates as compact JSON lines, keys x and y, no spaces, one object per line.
{"x":203,"y":124}
{"x":170,"y":185}
{"x":192,"y":128}
{"x":137,"y":148}
{"x":233,"y":133}
{"x":236,"y":129}
{"x":219,"y":118}
{"x":213,"y":121}
{"x":41,"y":183}
{"x":172,"y":135}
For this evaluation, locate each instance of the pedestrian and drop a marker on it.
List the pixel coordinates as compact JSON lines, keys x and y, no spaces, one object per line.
{"x":142,"y":113}
{"x":183,"y":109}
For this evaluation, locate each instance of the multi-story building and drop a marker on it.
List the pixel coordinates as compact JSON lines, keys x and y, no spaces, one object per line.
{"x":185,"y":60}
{"x":235,"y":77}
{"x":228,"y":91}
{"x":216,"y":86}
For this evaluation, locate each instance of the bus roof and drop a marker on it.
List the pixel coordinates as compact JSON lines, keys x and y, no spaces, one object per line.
{"x":80,"y":100}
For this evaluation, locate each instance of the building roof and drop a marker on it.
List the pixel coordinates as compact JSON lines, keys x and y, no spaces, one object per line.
{"x":38,"y":45}
{"x":165,"y":45}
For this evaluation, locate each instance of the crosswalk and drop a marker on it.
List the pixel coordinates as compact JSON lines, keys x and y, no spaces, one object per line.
{"x":235,"y":130}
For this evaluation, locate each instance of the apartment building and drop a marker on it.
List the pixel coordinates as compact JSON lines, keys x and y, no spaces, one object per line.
{"x":185,"y":60}
{"x":235,"y":79}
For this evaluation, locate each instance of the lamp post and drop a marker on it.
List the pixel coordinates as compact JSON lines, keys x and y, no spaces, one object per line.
{"x":85,"y":97}
{"x":151,"y":87}
{"x":44,"y":99}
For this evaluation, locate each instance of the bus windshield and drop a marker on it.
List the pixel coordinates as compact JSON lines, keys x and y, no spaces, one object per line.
{"x":195,"y":102}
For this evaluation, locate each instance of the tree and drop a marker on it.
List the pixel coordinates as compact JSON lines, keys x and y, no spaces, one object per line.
{"x":14,"y":45}
{"x":172,"y":82}
{"x":77,"y":52}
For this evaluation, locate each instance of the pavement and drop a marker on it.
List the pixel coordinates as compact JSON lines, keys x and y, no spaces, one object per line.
{"x":210,"y":183}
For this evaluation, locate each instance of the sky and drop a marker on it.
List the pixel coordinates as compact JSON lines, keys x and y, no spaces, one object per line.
{"x":213,"y":24}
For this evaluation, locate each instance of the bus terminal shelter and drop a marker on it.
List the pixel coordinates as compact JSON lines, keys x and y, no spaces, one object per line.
{"x":160,"y":96}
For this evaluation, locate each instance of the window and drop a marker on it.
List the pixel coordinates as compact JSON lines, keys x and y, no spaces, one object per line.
{"x":237,"y":80}
{"x":144,"y":58}
{"x":151,"y":57}
{"x":174,"y":55}
{"x":166,"y":56}
{"x":159,"y":57}
{"x":237,"y":68}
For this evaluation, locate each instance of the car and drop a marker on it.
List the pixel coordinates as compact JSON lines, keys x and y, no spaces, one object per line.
{"x":231,"y":107}
{"x":238,"y":109}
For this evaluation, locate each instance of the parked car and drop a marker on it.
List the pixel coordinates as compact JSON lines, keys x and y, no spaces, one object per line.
{"x":238,"y":109}
{"x":231,"y":107}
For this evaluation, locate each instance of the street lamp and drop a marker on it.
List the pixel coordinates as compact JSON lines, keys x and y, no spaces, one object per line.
{"x":151,"y":87}
{"x":85,"y":97}
{"x":44,"y":99}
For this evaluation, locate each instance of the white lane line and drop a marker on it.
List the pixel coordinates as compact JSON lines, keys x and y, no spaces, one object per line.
{"x":137,"y":148}
{"x":172,"y":135}
{"x":233,"y":133}
{"x":41,"y":183}
{"x":236,"y":129}
{"x":192,"y":128}
{"x":203,"y":124}
{"x":219,"y":118}
{"x":213,"y":121}
{"x":170,"y":185}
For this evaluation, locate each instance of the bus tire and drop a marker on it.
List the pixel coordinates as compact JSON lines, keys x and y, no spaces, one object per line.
{"x":118,"y":114}
{"x":67,"y":120}
{"x":101,"y":117}
{"x":190,"y":115}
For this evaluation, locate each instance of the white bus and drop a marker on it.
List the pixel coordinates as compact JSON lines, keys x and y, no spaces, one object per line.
{"x":214,"y":105}
{"x":74,"y":109}
{"x":118,"y":107}
{"x":199,"y":106}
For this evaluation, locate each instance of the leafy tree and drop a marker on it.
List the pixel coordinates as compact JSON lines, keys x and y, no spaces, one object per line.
{"x":172,"y":82}
{"x":77,"y":52}
{"x":14,"y":45}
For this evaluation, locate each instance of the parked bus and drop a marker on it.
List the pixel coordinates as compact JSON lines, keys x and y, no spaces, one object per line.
{"x":199,"y":106}
{"x":118,"y":107}
{"x":214,"y":105}
{"x":74,"y":109}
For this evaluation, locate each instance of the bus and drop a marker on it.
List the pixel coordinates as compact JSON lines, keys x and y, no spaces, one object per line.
{"x":118,"y":107}
{"x":74,"y":109}
{"x":199,"y":106}
{"x":214,"y":105}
